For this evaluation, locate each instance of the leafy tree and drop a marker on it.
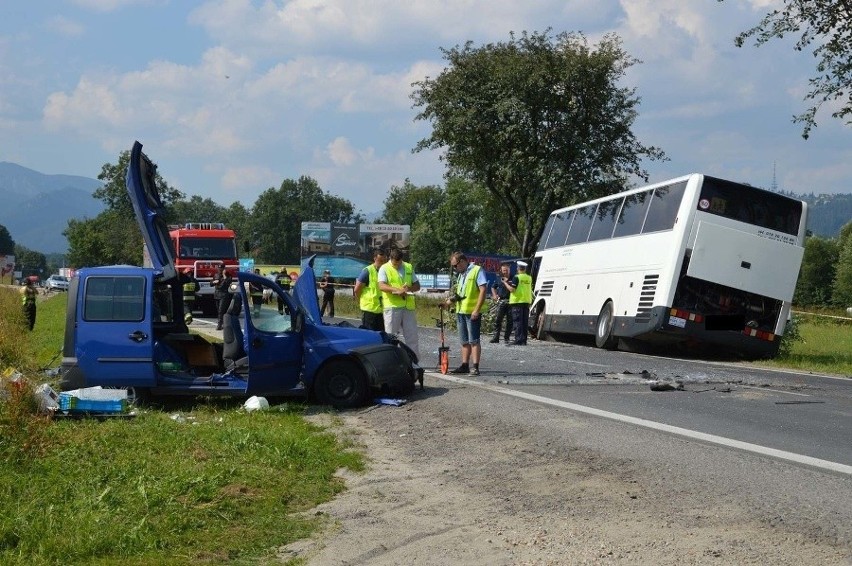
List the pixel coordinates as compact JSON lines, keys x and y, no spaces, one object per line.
{"x":459,"y":222}
{"x":238,"y":219}
{"x":7,"y":244}
{"x":817,"y":274}
{"x":842,"y":288}
{"x":198,"y":209}
{"x":277,"y":216}
{"x":114,"y":190}
{"x":113,"y":236}
{"x":827,"y":24}
{"x":404,"y":204}
{"x":539,"y":121}
{"x":30,"y":262}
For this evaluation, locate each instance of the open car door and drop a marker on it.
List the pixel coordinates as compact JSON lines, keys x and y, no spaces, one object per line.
{"x":273,"y":341}
{"x":150,"y":212}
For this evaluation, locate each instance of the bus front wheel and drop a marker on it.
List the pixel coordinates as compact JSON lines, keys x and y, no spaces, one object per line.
{"x":537,"y":326}
{"x":606,"y":320}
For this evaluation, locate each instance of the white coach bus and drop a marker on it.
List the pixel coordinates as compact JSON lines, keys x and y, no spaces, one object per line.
{"x":695,"y":261}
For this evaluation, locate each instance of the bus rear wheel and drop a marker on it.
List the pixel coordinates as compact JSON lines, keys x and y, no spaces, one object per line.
{"x":603,"y":333}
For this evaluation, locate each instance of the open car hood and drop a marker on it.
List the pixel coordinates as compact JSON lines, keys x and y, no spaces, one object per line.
{"x":150,"y":212}
{"x":305,"y":291}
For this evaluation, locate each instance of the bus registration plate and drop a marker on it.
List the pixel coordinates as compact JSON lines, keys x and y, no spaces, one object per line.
{"x":677,"y":321}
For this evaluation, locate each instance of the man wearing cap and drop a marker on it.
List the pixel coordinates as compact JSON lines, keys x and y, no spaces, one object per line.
{"x":221,"y":283}
{"x":520,"y":297}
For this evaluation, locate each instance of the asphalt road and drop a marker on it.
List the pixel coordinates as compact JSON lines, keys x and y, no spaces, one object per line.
{"x":796,"y":418}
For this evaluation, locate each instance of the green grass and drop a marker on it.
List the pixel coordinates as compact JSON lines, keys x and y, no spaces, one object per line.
{"x":825,"y":346}
{"x":215,"y":485}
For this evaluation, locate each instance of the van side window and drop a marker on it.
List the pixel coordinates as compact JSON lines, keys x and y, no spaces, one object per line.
{"x":114,"y":299}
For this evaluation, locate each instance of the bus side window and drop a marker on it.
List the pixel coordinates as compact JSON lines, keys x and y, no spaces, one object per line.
{"x":632,"y":214}
{"x":605,"y":219}
{"x":582,"y":224}
{"x":561,"y":226}
{"x":663,"y":209}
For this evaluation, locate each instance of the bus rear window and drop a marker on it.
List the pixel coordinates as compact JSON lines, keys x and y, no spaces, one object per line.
{"x":750,"y":205}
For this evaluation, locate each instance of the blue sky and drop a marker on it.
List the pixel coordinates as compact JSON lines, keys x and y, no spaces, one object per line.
{"x":230,"y":97}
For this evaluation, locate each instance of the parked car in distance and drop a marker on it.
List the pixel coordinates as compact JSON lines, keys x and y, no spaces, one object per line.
{"x":56,"y":283}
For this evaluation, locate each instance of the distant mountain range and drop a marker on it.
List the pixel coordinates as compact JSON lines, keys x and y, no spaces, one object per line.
{"x":36,"y":208}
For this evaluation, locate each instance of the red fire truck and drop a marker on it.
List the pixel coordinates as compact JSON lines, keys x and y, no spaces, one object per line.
{"x":203,"y":246}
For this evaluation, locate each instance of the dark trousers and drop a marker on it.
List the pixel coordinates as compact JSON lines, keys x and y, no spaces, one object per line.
{"x":520,"y":318}
{"x":222,"y":307}
{"x":30,"y":312}
{"x":503,"y":314}
{"x":281,"y":305}
{"x":327,"y":301}
{"x":373,"y":320}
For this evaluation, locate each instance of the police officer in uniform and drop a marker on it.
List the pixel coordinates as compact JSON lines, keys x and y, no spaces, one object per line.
{"x":520,"y":297}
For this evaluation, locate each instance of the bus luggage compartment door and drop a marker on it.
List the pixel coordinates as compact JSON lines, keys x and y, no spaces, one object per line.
{"x":745,"y":261}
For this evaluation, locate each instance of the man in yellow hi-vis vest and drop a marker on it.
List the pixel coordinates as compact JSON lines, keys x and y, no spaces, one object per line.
{"x":368,"y":294}
{"x":28,"y":300}
{"x":520,"y":297}
{"x":398,"y":283}
{"x":468,"y":295}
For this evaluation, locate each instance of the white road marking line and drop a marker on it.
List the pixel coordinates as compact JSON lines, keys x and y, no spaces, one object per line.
{"x":703,"y":437}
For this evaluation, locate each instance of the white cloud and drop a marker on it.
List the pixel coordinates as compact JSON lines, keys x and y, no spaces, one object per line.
{"x":237,"y":179}
{"x":341,"y":152}
{"x":65,"y":27}
{"x":111,"y":5}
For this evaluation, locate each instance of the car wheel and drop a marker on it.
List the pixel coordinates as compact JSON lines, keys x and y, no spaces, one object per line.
{"x":341,"y":384}
{"x":603,"y":334}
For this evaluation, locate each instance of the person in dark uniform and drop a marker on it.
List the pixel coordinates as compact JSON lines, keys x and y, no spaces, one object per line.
{"x":256,"y":292}
{"x":500,"y":294}
{"x":221,"y":282}
{"x":283,"y":280}
{"x":520,"y":297}
{"x":190,"y":286}
{"x":327,"y":286}
{"x":28,"y":300}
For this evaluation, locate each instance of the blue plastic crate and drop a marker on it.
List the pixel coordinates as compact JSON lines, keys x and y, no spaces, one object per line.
{"x":70,"y":403}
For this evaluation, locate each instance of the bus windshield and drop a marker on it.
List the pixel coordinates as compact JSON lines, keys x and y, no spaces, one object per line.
{"x":753,"y":206}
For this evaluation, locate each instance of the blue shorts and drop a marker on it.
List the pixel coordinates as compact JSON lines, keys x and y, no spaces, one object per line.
{"x":468,"y":328}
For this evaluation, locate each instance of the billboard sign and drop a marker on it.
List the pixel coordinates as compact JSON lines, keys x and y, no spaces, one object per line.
{"x":344,"y":249}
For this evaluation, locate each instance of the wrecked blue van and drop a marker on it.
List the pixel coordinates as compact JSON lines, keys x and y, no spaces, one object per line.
{"x":125,"y":328}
